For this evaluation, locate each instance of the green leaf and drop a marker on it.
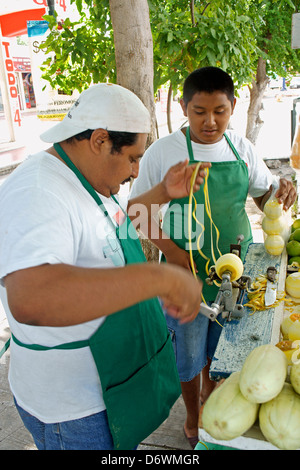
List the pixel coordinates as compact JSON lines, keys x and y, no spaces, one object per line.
{"x":170,"y":36}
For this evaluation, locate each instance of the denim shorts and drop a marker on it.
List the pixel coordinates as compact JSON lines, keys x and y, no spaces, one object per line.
{"x":193,"y":343}
{"x":89,"y":433}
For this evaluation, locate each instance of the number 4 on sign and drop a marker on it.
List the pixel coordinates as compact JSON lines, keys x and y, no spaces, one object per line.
{"x":62,"y":3}
{"x":17,"y":117}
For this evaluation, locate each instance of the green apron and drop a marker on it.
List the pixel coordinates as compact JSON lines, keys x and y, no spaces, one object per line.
{"x":133,"y":353}
{"x":228,"y":184}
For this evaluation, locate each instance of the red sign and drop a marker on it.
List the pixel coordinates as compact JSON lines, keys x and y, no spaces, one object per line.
{"x":60,"y":3}
{"x":11,"y":80}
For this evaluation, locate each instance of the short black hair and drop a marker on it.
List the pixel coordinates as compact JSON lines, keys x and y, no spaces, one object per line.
{"x":208,"y":79}
{"x":118,"y":139}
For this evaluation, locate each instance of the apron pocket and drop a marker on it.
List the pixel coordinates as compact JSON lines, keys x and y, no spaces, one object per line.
{"x":138,"y":406}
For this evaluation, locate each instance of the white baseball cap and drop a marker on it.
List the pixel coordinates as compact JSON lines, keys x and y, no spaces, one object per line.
{"x":106,"y":106}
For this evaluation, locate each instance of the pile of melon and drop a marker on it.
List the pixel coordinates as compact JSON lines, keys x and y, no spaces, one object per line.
{"x":264,"y":391}
{"x":273,"y":225}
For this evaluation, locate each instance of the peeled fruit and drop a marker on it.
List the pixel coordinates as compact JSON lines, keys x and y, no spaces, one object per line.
{"x":295,"y":376}
{"x":293,"y":248}
{"x":279,"y":419}
{"x":288,"y":348}
{"x":294,"y":331}
{"x":273,"y":226}
{"x":292,"y":285}
{"x":273,"y":209}
{"x":285,"y":326}
{"x":263,"y":373}
{"x":226,"y":413}
{"x":274,"y":244}
{"x":295,"y":225}
{"x":229,"y":262}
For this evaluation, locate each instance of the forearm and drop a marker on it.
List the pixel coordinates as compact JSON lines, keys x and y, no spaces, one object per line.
{"x":63,"y":295}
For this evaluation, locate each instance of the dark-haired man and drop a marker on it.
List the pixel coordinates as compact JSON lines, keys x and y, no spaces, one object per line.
{"x":91,"y":365}
{"x":208,"y":102}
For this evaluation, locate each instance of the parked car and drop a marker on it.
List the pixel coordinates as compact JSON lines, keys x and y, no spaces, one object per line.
{"x":295,"y":82}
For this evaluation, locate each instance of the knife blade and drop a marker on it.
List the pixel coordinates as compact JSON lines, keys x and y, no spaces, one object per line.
{"x":271,"y":291}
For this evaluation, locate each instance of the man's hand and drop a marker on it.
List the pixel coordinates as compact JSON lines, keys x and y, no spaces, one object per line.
{"x":183,"y":295}
{"x":177,"y":181}
{"x":286,"y":193}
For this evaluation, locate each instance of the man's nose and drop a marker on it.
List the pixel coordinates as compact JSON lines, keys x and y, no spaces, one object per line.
{"x":135,"y":169}
{"x":210,"y":119}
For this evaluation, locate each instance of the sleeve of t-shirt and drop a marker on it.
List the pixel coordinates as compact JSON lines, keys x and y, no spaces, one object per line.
{"x":36,"y":228}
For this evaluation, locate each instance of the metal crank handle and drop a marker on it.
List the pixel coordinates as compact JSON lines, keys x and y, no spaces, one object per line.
{"x":210,"y":312}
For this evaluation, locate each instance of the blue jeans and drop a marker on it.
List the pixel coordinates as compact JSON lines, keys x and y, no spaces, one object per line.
{"x":89,"y":433}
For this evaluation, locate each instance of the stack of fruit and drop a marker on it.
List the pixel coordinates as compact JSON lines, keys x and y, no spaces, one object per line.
{"x":273,"y":226}
{"x":260,"y":390}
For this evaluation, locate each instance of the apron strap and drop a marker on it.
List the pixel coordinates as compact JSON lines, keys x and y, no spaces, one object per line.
{"x":38,"y":347}
{"x":189,"y":143}
{"x":5,"y":347}
{"x":81,"y":178}
{"x":190,"y":149}
{"x":232,"y":147}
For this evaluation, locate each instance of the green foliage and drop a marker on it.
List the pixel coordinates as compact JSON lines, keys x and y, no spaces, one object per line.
{"x":274,"y":38}
{"x":80,"y":52}
{"x":187,"y":34}
{"x":217,"y":34}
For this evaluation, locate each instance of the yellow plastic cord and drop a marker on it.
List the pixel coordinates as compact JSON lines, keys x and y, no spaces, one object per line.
{"x":191,"y":214}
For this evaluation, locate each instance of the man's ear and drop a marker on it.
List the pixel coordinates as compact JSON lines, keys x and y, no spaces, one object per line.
{"x":183,"y":107}
{"x":98,"y":138}
{"x":233,"y":105}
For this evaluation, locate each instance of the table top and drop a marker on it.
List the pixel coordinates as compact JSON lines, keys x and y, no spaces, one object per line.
{"x":240,"y":336}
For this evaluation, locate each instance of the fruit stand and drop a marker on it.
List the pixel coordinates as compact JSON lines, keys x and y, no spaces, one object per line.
{"x":239,"y":337}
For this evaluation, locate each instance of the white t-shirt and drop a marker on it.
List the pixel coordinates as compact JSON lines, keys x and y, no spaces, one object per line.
{"x":48,"y":217}
{"x":172,"y":149}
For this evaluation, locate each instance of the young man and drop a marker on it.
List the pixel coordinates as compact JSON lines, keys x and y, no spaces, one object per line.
{"x":208,"y":102}
{"x":89,"y":339}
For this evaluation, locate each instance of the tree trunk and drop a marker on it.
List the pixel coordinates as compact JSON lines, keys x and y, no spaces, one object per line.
{"x":134,"y":51}
{"x":257,"y":90}
{"x":169,"y":108}
{"x":134,"y":61}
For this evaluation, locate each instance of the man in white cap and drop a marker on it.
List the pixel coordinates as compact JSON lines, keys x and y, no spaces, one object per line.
{"x":92,"y":366}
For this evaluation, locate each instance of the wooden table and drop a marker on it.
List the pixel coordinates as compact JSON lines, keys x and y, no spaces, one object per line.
{"x":239,"y":337}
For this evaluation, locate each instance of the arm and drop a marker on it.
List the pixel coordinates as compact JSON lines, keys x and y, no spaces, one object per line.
{"x":286,"y":194}
{"x":63,"y":295}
